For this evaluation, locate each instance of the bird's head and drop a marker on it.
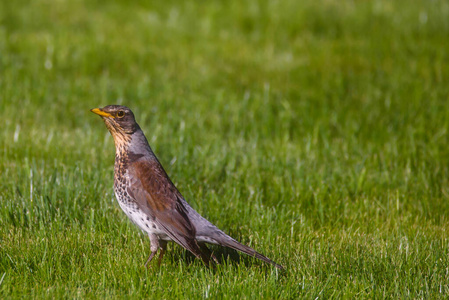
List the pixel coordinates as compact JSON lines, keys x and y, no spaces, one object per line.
{"x":119,"y":120}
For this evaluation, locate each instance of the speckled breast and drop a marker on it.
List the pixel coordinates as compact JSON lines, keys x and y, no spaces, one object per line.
{"x":129,"y":206}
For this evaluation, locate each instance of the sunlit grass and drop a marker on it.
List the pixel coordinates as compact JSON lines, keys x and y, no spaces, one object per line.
{"x":315,"y":132}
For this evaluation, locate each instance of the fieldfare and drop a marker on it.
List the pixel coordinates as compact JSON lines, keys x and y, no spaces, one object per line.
{"x":150,"y":199}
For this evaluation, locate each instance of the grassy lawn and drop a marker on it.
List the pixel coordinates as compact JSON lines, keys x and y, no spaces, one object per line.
{"x":314,"y":131}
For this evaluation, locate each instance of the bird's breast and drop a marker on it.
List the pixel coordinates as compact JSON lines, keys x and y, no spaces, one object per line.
{"x":130,"y":207}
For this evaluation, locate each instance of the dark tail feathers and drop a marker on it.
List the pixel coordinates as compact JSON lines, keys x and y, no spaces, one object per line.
{"x":231,"y":243}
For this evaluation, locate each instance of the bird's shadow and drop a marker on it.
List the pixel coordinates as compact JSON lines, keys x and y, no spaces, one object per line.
{"x":228,"y":256}
{"x":225,"y":256}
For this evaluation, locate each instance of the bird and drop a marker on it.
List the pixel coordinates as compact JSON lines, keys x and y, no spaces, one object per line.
{"x":150,"y":199}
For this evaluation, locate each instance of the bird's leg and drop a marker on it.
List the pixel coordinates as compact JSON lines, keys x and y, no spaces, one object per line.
{"x":150,"y":258}
{"x":154,"y":241}
{"x":215,"y":259}
{"x":212,"y":255}
{"x":163,"y":246}
{"x":209,"y":253}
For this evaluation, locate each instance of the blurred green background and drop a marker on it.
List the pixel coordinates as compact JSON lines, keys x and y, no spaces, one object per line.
{"x":314,"y":131}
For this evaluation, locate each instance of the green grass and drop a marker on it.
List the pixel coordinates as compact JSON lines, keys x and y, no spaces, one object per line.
{"x":316,"y":132}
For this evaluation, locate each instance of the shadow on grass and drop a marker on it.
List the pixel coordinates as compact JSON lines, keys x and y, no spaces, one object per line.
{"x":228,"y":256}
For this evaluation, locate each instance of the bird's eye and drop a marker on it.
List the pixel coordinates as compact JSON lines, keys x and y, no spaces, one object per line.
{"x":121,"y":114}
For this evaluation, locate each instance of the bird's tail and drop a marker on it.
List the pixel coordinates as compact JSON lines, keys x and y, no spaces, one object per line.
{"x":227,"y":241}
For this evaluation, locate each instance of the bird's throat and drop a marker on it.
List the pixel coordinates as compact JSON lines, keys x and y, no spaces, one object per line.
{"x":121,"y":160}
{"x":122,"y":143}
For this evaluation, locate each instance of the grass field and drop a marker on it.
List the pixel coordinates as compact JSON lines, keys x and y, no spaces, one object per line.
{"x":314,"y":131}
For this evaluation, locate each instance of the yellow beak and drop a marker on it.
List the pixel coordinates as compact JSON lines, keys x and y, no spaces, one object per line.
{"x":101,"y":113}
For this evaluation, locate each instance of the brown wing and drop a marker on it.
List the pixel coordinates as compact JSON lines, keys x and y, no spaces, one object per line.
{"x":157,"y":196}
